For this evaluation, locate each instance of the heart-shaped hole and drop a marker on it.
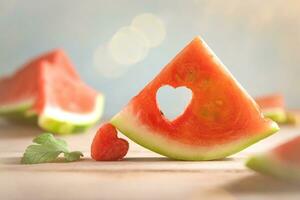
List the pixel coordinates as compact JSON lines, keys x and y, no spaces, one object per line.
{"x":173,"y":101}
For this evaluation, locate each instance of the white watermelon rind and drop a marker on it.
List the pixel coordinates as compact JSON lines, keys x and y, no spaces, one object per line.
{"x":129,"y":125}
{"x":61,"y":122}
{"x":55,"y":122}
{"x":268,"y":165}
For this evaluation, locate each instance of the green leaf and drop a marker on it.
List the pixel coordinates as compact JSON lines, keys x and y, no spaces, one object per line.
{"x":48,"y":138}
{"x":39,"y":154}
{"x":43,"y":138}
{"x":47,"y":149}
{"x":73,"y":156}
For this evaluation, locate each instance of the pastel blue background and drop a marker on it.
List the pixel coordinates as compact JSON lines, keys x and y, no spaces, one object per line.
{"x":259,"y":41}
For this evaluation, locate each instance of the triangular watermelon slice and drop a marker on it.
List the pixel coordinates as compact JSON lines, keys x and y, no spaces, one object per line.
{"x":49,"y":87}
{"x":220,"y":120}
{"x":273,"y":107}
{"x":282,"y":162}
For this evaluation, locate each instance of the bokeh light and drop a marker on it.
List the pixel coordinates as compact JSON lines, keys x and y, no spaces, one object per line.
{"x":128,"y":46}
{"x":105,"y":65}
{"x":152,"y":27}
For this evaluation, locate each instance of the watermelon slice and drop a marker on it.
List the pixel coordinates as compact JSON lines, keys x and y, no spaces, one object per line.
{"x":273,"y":107}
{"x":48,"y":88}
{"x":221,"y":118}
{"x":282,"y":162}
{"x":293,"y":117}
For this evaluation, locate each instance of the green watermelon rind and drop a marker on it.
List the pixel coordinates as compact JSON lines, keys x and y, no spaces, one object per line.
{"x":292,"y":118}
{"x":62,"y":127}
{"x":59,"y":126}
{"x":277,"y":115}
{"x":266,"y":164}
{"x":22,"y":112}
{"x":130,"y":126}
{"x":19,"y":112}
{"x":17,"y":109}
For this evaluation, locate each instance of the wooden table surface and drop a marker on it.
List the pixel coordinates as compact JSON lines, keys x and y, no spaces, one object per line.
{"x":142,"y":175}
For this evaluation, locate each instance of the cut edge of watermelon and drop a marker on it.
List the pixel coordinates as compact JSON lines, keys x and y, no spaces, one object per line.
{"x":129,"y":125}
{"x":226,"y":70}
{"x":265,"y":164}
{"x":62,"y":122}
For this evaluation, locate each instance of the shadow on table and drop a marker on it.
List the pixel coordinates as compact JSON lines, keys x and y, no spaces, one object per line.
{"x":160,"y":159}
{"x":10,"y":160}
{"x":260,"y":184}
{"x":254,"y":186}
{"x":147,"y":159}
{"x":16,"y":160}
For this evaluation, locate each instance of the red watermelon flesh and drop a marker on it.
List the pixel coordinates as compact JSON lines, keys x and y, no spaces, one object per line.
{"x":50,"y":87}
{"x":289,"y":152}
{"x":10,"y":91}
{"x":220,"y":120}
{"x":282,"y":162}
{"x":271,"y":101}
{"x":106,"y":145}
{"x":60,"y":86}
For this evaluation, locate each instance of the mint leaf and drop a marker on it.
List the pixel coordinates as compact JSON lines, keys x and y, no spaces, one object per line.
{"x":48,"y":149}
{"x":48,"y":139}
{"x":73,"y":156}
{"x":43,"y":138}
{"x":39,"y":154}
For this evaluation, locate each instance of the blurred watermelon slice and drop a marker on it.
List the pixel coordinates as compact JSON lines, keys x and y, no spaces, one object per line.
{"x":273,"y":107}
{"x":282,"y":162}
{"x":50,"y":89}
